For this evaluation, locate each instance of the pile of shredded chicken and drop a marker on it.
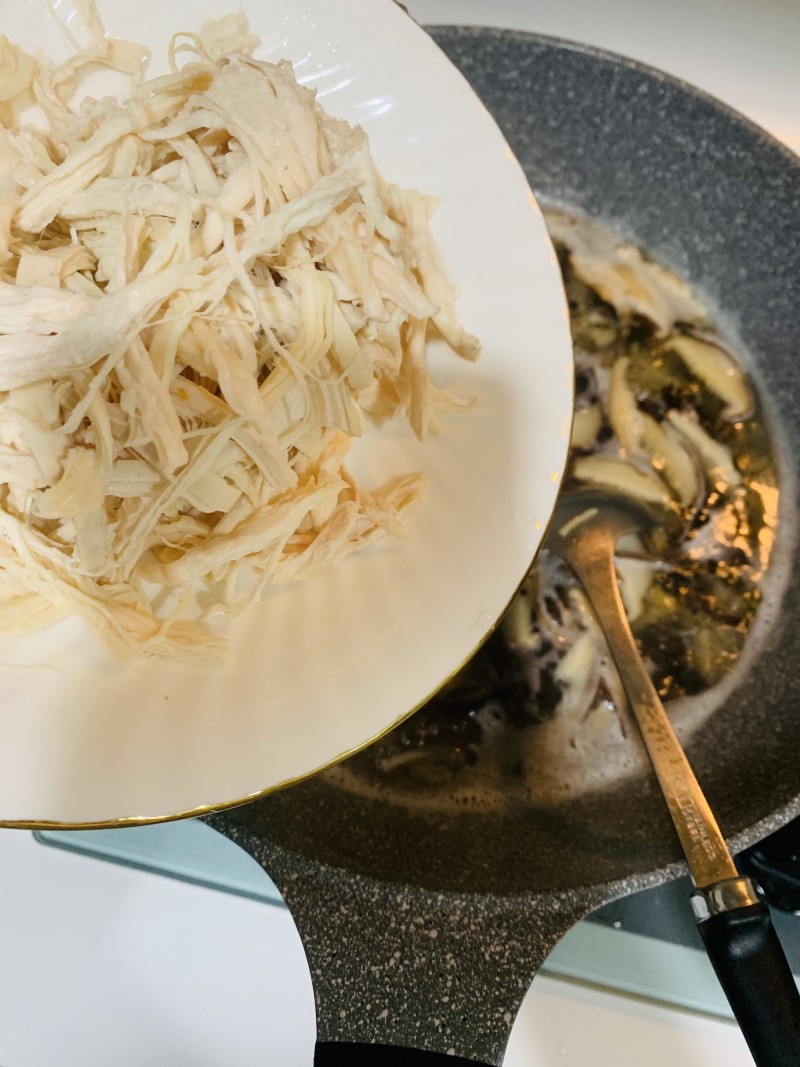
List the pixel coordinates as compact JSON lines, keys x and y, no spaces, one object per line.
{"x":205,"y":293}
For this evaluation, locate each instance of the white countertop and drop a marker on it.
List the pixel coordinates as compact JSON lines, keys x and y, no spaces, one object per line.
{"x":102,"y":966}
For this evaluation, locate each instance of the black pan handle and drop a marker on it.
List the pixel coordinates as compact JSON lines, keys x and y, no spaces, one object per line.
{"x":754,"y":974}
{"x":344,"y":1054}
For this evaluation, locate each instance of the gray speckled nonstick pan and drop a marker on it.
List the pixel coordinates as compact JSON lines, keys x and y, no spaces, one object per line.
{"x":423,"y":929}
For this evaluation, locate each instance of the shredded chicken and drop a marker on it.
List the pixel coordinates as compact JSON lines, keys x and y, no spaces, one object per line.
{"x":206,"y":292}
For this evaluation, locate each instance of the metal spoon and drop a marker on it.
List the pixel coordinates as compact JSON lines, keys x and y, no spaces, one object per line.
{"x":734,"y":924}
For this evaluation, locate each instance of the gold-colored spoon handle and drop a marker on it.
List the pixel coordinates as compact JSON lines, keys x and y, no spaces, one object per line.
{"x":703,"y":845}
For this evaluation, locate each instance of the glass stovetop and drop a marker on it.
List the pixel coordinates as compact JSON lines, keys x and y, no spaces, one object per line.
{"x":645,"y":945}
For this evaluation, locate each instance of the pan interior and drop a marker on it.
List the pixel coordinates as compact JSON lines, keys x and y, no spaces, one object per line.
{"x":716,"y":200}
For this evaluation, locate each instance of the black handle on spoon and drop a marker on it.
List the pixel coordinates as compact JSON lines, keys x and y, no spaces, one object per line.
{"x":345,"y":1054}
{"x":752,"y":969}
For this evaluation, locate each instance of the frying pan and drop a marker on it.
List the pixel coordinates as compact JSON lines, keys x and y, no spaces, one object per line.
{"x":423,"y":928}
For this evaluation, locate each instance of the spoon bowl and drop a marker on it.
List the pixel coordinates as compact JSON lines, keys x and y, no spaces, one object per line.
{"x":606,"y":514}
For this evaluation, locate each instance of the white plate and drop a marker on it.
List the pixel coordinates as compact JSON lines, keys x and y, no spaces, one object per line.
{"x":319,"y":669}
